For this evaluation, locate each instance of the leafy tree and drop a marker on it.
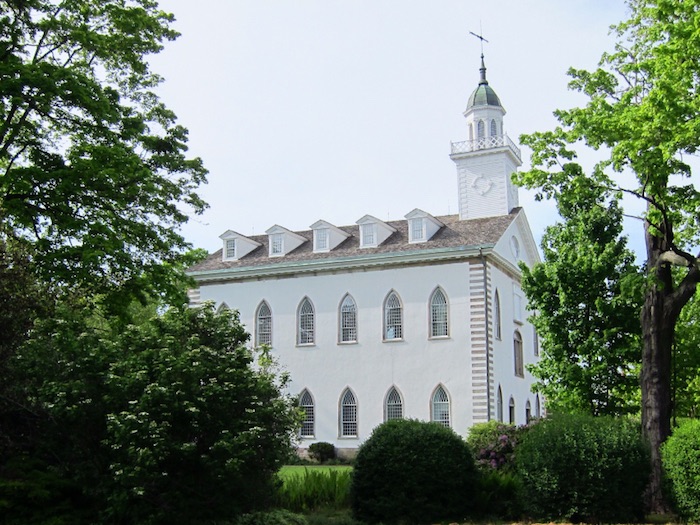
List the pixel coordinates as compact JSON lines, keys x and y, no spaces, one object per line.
{"x":586,"y":296}
{"x":168,"y":420}
{"x":93,"y":169}
{"x":642,"y":110}
{"x":686,"y":362}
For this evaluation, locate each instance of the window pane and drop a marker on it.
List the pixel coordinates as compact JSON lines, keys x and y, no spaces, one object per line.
{"x":306,"y":323}
{"x":368,"y":235}
{"x":231,"y":249}
{"x":438,"y":315}
{"x":441,"y":407}
{"x":264,"y":329}
{"x":348,"y":320}
{"x":394,"y":406}
{"x":276,"y":243}
{"x":307,"y":405}
{"x":322,"y":239}
{"x":348,"y":415}
{"x":392,"y":318}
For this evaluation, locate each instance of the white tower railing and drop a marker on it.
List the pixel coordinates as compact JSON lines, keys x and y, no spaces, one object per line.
{"x":495,"y":141}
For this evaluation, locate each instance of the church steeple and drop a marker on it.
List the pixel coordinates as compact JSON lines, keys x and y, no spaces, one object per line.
{"x":487,"y":159}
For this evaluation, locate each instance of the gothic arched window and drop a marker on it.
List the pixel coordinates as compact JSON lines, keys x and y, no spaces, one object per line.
{"x":306,"y":403}
{"x":348,"y":414}
{"x":518,"y":354}
{"x":263,"y":325}
{"x":393,"y":407}
{"x":305,"y":323}
{"x":393,"y":317}
{"x":441,"y":407}
{"x":438,"y":314}
{"x":348,"y":320}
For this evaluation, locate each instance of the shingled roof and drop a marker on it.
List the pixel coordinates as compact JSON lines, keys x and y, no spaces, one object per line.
{"x":454,"y":233}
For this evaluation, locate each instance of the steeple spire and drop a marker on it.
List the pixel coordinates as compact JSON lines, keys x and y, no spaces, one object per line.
{"x":482,"y":70}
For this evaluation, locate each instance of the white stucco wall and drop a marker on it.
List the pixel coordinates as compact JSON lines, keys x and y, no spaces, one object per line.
{"x":416,"y":366}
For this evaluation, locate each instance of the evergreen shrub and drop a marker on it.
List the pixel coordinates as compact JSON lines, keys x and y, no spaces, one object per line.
{"x":412,"y":472}
{"x":322,"y":451}
{"x":497,"y":495}
{"x":581,"y":468}
{"x":681,"y":459}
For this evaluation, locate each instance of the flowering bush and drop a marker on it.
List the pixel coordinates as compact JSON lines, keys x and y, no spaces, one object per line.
{"x":493,"y":444}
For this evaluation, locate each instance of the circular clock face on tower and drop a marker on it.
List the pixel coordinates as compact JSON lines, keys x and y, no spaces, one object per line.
{"x":515,"y":247}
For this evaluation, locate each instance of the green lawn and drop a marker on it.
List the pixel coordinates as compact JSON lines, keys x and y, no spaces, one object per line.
{"x":298,"y":470}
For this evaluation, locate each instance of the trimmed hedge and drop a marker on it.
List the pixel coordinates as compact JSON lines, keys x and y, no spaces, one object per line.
{"x":412,"y":472}
{"x":581,"y":468}
{"x":681,"y":459}
{"x":322,"y":451}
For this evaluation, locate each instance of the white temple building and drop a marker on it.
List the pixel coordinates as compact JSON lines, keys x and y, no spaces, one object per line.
{"x":419,"y":318}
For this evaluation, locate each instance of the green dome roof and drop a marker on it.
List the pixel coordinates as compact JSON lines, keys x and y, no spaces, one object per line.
{"x":483,"y":95}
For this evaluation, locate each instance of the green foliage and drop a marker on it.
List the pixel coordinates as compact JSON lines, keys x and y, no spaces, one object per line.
{"x":272,"y":517}
{"x":322,"y":451}
{"x":686,"y":361}
{"x":586,"y":296}
{"x":168,"y":420}
{"x":93,"y":169}
{"x":314,"y":489}
{"x":498,"y":495}
{"x":681,"y":460}
{"x":410,"y":471}
{"x":493,"y":444}
{"x":583,"y":468}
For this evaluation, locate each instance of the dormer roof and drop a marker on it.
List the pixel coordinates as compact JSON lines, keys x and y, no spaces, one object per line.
{"x":429,"y":226}
{"x":242,"y":245}
{"x":283,"y":241}
{"x":373,"y":231}
{"x":326,"y":236}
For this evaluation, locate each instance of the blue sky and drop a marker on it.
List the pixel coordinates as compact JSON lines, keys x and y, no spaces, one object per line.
{"x":333,"y":109}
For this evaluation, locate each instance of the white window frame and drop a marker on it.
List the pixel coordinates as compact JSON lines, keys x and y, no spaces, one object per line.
{"x":417,"y":230}
{"x":499,"y":405}
{"x":439,"y":315}
{"x":263,"y":324}
{"x":393,"y":317}
{"x":440,"y":407}
{"x":393,"y":405}
{"x":230,"y":248}
{"x":518,"y":365}
{"x":276,"y":244}
{"x":306,"y":323}
{"x":368,"y":235}
{"x":321,"y":239}
{"x":347,"y":415}
{"x":511,"y":411}
{"x":497,"y":326}
{"x":347,"y":320}
{"x":308,"y":407}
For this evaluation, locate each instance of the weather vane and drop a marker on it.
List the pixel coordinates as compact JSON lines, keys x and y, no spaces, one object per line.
{"x":480,"y":37}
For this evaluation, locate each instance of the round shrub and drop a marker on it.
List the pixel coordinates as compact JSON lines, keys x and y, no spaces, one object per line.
{"x":581,"y":468}
{"x":681,"y":459}
{"x":322,"y":451}
{"x":411,"y":471}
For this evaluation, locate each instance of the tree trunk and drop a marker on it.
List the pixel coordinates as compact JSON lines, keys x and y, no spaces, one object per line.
{"x":656,"y":388}
{"x":662,"y":306}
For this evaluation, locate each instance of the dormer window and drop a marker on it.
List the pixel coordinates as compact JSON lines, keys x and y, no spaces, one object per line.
{"x":276,"y":244}
{"x":327,"y":236}
{"x":236,"y":246}
{"x":417,"y":230}
{"x":368,"y":235}
{"x":422,"y":226}
{"x":321,"y":240}
{"x":282,"y":241}
{"x":373,"y":232}
{"x":230,"y":249}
